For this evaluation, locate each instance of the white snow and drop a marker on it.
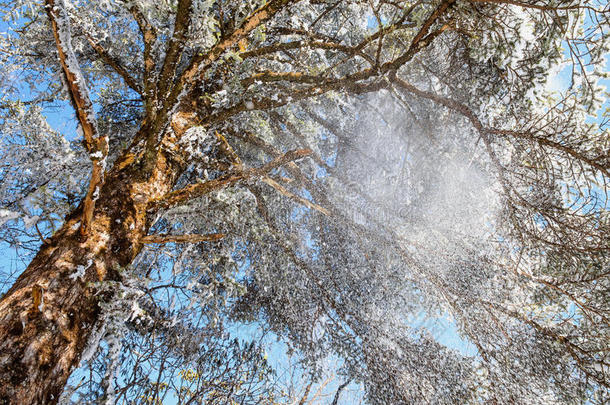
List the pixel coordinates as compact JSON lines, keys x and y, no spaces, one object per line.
{"x":80,"y":270}
{"x":6,"y":215}
{"x":136,"y":311}
{"x":30,"y":221}
{"x":94,"y":342}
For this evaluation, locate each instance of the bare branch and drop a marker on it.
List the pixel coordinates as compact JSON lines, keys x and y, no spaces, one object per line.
{"x":306,"y":393}
{"x":338,"y":393}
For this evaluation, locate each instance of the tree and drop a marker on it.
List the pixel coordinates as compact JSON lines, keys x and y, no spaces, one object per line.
{"x":328,"y":168}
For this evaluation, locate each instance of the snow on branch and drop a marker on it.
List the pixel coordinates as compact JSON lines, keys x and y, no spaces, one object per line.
{"x":303,"y":201}
{"x":114,"y":63}
{"x":201,"y":63}
{"x":191,"y":238}
{"x":595,"y":163}
{"x":76,"y":86}
{"x":97,"y":146}
{"x":200,"y":189}
{"x":176,"y":45}
{"x":291,"y":167}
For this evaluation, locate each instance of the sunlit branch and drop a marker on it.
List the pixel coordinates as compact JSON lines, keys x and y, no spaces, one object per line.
{"x":200,"y":189}
{"x":97,"y":146}
{"x":191,"y":238}
{"x":285,"y":192}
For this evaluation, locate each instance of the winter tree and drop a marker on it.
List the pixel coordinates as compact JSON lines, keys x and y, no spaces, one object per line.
{"x":330,"y":171}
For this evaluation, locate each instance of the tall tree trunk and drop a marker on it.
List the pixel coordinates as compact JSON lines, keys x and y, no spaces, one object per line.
{"x":48,"y":314}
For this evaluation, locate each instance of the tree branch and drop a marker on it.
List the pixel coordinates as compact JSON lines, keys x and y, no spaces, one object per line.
{"x":175,"y":48}
{"x":303,"y":201}
{"x":269,"y":76}
{"x":291,"y":167}
{"x":200,"y":189}
{"x":97,"y":146}
{"x":476,"y":123}
{"x":354,"y":82}
{"x":114,"y":63}
{"x":542,"y":7}
{"x":330,"y":44}
{"x":190,"y":238}
{"x":338,"y":393}
{"x":149,"y":37}
{"x":201,"y":63}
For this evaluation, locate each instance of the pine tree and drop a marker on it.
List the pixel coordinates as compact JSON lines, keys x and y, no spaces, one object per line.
{"x":334,"y":170}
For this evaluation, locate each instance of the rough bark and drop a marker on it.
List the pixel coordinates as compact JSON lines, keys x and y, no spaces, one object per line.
{"x":48,"y":314}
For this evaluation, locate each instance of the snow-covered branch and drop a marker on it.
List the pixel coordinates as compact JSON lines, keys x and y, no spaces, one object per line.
{"x":200,"y":189}
{"x":191,"y":238}
{"x":97,"y":146}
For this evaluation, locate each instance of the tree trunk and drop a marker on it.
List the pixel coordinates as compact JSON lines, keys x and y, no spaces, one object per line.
{"x":48,"y":314}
